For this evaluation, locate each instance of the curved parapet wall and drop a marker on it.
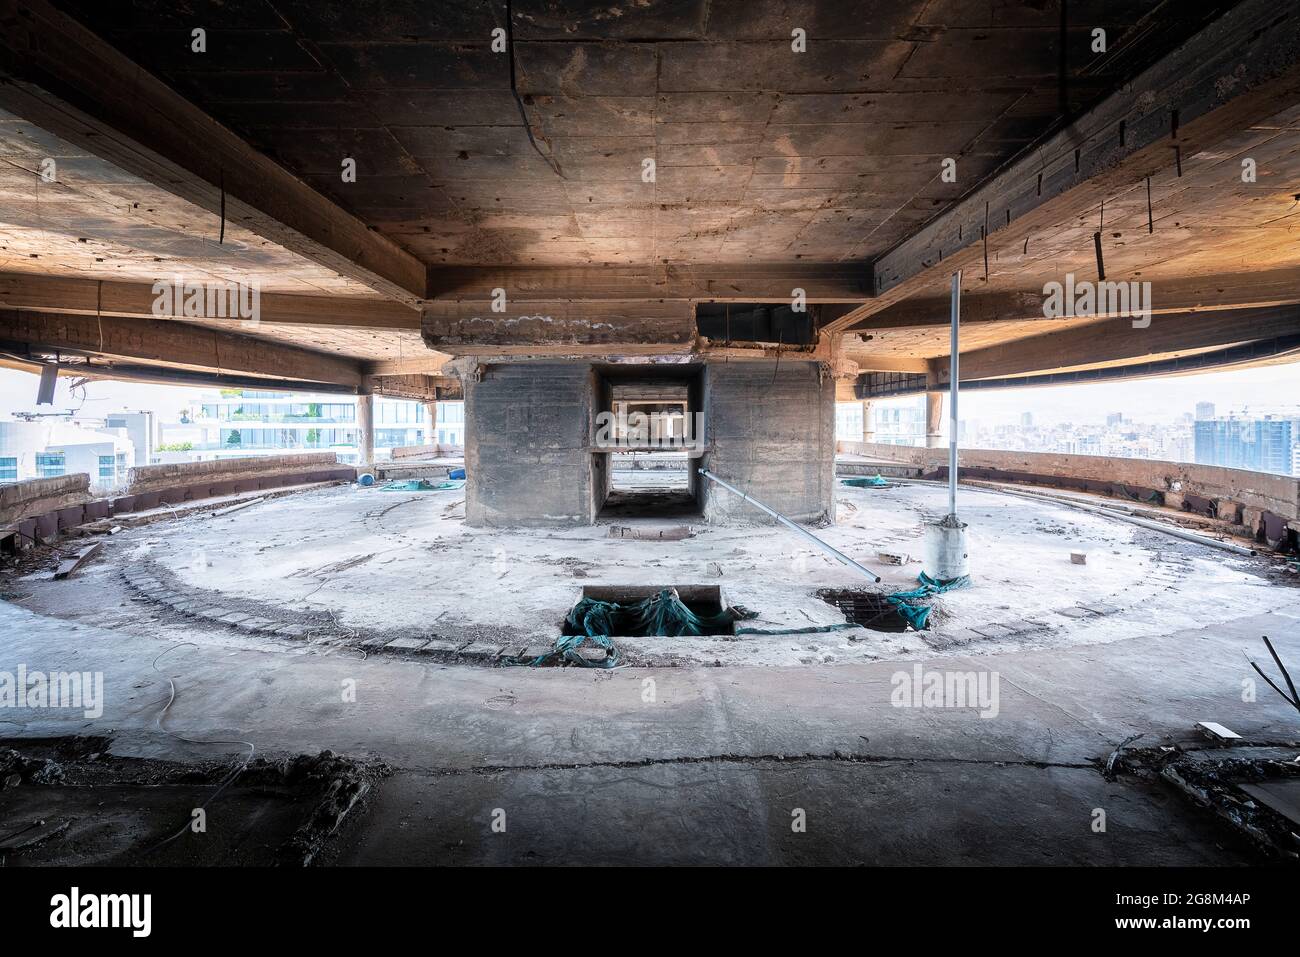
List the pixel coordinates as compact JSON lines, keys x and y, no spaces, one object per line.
{"x":1258,"y":505}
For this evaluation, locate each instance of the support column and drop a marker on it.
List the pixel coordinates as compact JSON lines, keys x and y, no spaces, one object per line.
{"x":366,"y":429}
{"x":431,"y":422}
{"x":868,"y":427}
{"x":933,"y":420}
{"x":771,"y":433}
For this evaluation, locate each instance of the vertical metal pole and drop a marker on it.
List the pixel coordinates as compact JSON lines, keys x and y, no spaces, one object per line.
{"x":954,"y":377}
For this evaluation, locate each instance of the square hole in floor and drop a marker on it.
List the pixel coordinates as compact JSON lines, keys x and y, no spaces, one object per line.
{"x":649,"y":610}
{"x":871,"y":610}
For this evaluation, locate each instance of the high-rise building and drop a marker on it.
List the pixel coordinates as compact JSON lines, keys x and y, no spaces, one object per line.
{"x":1256,"y":444}
{"x":1204,"y":410}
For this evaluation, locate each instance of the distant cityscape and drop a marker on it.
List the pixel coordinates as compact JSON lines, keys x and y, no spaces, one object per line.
{"x":1260,"y":441}
{"x":228,"y":423}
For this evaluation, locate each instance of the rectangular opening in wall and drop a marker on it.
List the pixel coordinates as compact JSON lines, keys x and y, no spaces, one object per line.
{"x":645,"y":434}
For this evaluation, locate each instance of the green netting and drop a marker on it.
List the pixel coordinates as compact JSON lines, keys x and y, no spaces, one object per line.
{"x":662,"y":614}
{"x":419,"y":485}
{"x":917,"y":615}
{"x":876,"y":482}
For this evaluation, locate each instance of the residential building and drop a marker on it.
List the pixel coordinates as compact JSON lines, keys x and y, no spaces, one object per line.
{"x":244,"y":422}
{"x":43,"y":447}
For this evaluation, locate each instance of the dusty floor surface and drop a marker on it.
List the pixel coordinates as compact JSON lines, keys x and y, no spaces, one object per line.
{"x":355,"y":566}
{"x":681,"y":765}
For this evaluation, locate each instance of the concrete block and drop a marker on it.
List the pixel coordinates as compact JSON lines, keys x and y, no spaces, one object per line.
{"x":1074,"y":612}
{"x":292,"y":631}
{"x":538,"y":651}
{"x":1097,"y":608}
{"x":443,"y":645}
{"x":215,"y":612}
{"x":235,"y":617}
{"x":406,"y":644}
{"x":1228,"y":511}
{"x":481,"y":649}
{"x":992,"y":630}
{"x":256,"y":624}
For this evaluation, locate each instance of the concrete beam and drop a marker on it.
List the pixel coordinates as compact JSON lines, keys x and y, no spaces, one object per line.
{"x":1241,"y":69}
{"x":422,"y":388}
{"x":1228,"y":291}
{"x":1116,"y":341}
{"x":60,"y":76}
{"x":173,"y":343}
{"x":136,"y":299}
{"x":558,"y":327}
{"x":777,"y":282}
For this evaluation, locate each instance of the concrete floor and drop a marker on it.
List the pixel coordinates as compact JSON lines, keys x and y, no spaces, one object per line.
{"x":698,"y":764}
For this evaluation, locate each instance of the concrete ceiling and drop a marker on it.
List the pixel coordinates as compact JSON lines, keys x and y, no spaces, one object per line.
{"x":762,"y":154}
{"x":524,"y":168}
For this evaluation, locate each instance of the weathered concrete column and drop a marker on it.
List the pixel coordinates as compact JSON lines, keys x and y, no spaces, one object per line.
{"x":868,"y":427}
{"x":771,"y":433}
{"x":526,"y":445}
{"x":934,"y":420}
{"x":431,"y":422}
{"x":366,"y":429}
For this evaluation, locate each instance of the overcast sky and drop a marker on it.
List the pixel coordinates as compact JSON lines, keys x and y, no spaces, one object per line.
{"x":1147,"y":400}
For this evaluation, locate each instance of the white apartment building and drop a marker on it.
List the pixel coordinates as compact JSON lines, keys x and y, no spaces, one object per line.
{"x":244,"y":422}
{"x":50,"y":447}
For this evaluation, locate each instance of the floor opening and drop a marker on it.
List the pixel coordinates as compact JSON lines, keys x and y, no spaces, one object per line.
{"x":639,"y":611}
{"x":871,"y":610}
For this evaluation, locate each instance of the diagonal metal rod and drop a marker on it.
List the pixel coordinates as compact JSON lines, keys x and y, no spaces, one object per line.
{"x":791,"y":525}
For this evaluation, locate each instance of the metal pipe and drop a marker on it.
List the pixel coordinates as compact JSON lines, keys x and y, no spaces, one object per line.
{"x":954,"y":377}
{"x":789,"y":524}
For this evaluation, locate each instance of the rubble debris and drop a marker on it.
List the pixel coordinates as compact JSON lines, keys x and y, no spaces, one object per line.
{"x":1217,"y":732}
{"x":1078,"y":558}
{"x":70,"y":565}
{"x":1230,"y":782}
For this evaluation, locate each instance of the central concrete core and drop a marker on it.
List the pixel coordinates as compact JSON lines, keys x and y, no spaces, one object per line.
{"x":538,"y":450}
